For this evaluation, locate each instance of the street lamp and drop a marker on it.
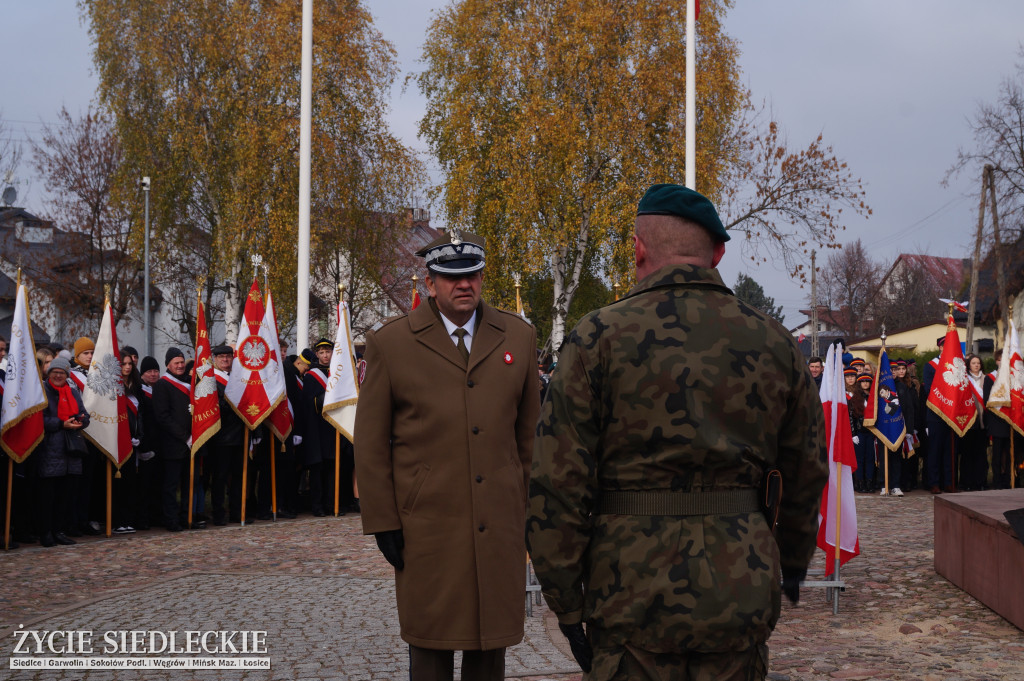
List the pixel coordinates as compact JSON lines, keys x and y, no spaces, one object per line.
{"x":145,"y":285}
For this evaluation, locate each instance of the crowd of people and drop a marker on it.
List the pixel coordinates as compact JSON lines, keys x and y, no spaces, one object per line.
{"x":59,"y":491}
{"x":931,"y":456}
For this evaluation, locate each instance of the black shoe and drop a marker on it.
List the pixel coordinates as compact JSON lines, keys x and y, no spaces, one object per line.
{"x":319,"y":513}
{"x":173,"y":527}
{"x":63,"y":539}
{"x":47,"y":540}
{"x":91,"y":531}
{"x":198,"y":525}
{"x":288,"y":515}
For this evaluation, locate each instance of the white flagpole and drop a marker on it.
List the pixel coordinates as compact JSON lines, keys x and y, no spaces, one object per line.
{"x":305,"y":134}
{"x":691,"y":97}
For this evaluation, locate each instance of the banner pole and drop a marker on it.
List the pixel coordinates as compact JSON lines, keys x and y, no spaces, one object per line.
{"x":952,"y":461}
{"x":191,"y":488}
{"x":110,"y":485}
{"x":273,"y":478}
{"x":337,"y":472}
{"x":839,"y":521}
{"x":1013,"y":464}
{"x":6,"y":517}
{"x":245,"y":471}
{"x":887,"y":486}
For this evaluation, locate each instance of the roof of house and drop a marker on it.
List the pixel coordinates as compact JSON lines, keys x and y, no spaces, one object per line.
{"x":946,"y":273}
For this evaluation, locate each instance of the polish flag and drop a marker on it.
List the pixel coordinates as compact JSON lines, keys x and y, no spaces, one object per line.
{"x":21,"y":420}
{"x":842,"y":462}
{"x":342,"y":390}
{"x":951,"y":396}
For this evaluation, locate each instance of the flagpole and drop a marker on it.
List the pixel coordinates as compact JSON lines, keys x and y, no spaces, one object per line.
{"x":839,"y":509}
{"x":691,"y":91}
{"x":337,"y":469}
{"x":874,"y":396}
{"x":305,"y":137}
{"x":10,"y":481}
{"x":412,"y":298}
{"x":245,"y":470}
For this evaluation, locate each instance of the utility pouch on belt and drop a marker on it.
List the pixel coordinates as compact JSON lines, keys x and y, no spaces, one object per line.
{"x":771,"y":495}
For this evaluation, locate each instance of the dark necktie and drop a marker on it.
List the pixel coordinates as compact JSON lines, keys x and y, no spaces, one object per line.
{"x":461,"y":345}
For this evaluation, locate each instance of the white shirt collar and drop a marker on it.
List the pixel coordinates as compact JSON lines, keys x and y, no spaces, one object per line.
{"x":450,"y":326}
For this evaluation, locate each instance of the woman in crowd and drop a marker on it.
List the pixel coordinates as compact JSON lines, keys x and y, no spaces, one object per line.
{"x":863,"y":441}
{"x":973,"y":446}
{"x":58,"y":459}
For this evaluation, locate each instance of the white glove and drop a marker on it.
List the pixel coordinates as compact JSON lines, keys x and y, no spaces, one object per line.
{"x":256,"y":441}
{"x":135,"y":442}
{"x":146,"y":456}
{"x":189,"y":441}
{"x":926,"y":431}
{"x":296,"y":440}
{"x":856,"y":439}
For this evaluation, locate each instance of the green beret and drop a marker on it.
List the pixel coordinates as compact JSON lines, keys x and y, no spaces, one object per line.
{"x":674,"y":199}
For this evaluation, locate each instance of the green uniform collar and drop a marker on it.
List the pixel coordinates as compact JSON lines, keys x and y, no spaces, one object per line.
{"x":672,"y":276}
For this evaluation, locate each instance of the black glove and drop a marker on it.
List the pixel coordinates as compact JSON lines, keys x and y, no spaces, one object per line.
{"x":391,"y":544}
{"x":791,"y":579}
{"x":579,"y":644}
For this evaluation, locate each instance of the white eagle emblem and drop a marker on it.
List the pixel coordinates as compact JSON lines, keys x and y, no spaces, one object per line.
{"x":955,"y":373}
{"x":254,"y":353}
{"x":1017,"y":375}
{"x":104,"y":378}
{"x":207,"y":384}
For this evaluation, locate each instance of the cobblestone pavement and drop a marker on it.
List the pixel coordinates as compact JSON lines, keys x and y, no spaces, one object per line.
{"x":324,"y":595}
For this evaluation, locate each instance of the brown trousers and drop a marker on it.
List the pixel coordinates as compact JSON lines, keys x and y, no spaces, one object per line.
{"x":426,"y":664}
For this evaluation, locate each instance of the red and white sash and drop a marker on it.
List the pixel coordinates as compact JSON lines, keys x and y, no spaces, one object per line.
{"x":180,"y":385}
{"x":319,"y":375}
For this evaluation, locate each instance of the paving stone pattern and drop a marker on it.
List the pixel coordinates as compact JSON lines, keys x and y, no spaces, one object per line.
{"x":326,"y":598}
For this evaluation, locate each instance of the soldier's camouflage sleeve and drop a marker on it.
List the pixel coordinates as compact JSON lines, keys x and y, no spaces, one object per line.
{"x":563,"y":484}
{"x":802,"y":434}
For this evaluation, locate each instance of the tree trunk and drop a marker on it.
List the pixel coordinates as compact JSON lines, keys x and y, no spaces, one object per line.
{"x":232,"y":305}
{"x":564,"y":291}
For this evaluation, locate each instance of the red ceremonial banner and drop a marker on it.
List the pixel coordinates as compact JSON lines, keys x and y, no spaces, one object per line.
{"x":204,"y":399}
{"x":950,"y":395}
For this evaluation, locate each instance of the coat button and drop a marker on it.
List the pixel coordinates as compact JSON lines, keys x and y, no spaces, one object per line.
{"x":475,"y":430}
{"x":469,"y":383}
{"x":481,"y":528}
{"x":479,"y":478}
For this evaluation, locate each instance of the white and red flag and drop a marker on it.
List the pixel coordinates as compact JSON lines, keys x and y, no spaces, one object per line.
{"x":104,"y":397}
{"x":951,"y":396}
{"x":204,"y":400}
{"x":342,"y":390}
{"x":256,"y":383}
{"x":1006,"y":399}
{"x":282,"y":418}
{"x":21,"y":421}
{"x":842,"y":462}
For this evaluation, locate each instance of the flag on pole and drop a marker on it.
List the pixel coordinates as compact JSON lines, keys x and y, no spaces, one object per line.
{"x":951,"y":396}
{"x":842,"y":462}
{"x":883,"y":414}
{"x":256,"y":383}
{"x":415,"y":298}
{"x":283,"y":417}
{"x":104,"y":397}
{"x":1006,"y":400}
{"x":342,"y":384}
{"x":204,"y":400}
{"x":21,"y":421}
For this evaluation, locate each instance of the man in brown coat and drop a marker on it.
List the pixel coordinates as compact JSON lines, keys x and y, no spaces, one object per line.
{"x":443,"y":441}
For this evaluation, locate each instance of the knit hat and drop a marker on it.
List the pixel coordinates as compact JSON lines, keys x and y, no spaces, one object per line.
{"x":83,"y":344}
{"x":171,"y":354}
{"x":129,"y":351}
{"x":59,"y":363}
{"x":147,"y":364}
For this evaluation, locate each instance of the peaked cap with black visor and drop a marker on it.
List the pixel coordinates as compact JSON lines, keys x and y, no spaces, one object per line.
{"x":455,"y":254}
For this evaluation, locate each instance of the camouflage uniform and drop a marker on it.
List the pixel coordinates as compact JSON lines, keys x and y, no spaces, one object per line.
{"x":677,"y":387}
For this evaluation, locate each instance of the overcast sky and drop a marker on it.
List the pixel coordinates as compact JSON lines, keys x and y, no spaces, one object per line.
{"x":890,"y":85}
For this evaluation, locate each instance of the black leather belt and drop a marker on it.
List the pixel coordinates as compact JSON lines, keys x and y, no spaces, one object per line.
{"x":679,"y":503}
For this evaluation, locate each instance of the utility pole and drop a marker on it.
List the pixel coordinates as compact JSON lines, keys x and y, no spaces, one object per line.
{"x":814,"y":306}
{"x":976,"y":260}
{"x":998,"y":251}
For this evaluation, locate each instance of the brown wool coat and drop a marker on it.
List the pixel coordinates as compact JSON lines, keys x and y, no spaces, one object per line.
{"x":443,"y":453}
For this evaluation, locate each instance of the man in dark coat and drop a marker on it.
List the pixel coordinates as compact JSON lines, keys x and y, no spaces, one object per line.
{"x":171,"y":399}
{"x":295,"y":367}
{"x":940,"y":463}
{"x":444,"y":435}
{"x":319,"y":439}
